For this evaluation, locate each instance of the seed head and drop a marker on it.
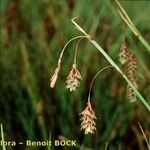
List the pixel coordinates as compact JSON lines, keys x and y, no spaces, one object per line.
{"x":88,"y":119}
{"x":128,"y":59}
{"x":131,"y":69}
{"x":73,"y":78}
{"x":123,"y":55}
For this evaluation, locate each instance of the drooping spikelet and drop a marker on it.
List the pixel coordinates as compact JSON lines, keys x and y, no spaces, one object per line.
{"x":88,"y":119}
{"x":73,"y":78}
{"x":131,"y":70}
{"x":54,"y":77}
{"x":124,"y":54}
{"x":128,"y":59}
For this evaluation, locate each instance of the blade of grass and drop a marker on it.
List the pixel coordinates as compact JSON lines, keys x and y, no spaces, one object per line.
{"x":106,"y":146}
{"x":131,"y":25}
{"x":113,"y":64}
{"x":2,"y":136}
{"x":148,"y":145}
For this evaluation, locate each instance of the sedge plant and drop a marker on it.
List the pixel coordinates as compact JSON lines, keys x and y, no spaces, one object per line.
{"x":88,"y":115}
{"x":111,"y":61}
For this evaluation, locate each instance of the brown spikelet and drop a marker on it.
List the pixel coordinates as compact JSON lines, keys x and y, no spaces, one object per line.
{"x":131,"y":70}
{"x":88,"y":119}
{"x":54,"y":77}
{"x":124,"y":54}
{"x":128,"y":59}
{"x":73,"y":78}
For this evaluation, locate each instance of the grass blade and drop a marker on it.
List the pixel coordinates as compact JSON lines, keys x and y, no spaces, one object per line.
{"x":148,"y":145}
{"x":2,"y":136}
{"x":131,"y":25}
{"x":106,"y":146}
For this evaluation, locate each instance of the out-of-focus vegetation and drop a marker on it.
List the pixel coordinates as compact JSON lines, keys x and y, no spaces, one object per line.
{"x":33,"y":33}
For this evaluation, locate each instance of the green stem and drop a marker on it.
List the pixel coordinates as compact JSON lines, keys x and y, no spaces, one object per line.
{"x":94,"y":79}
{"x":106,"y":146}
{"x":131,"y":25}
{"x":2,"y":136}
{"x":75,"y":54}
{"x":114,"y":65}
{"x":148,"y":145}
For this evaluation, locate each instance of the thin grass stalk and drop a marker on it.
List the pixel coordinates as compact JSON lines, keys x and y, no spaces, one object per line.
{"x":75,"y":55}
{"x":122,"y":16}
{"x":125,"y":14}
{"x":62,"y":52}
{"x":89,"y":96}
{"x":148,"y":145}
{"x":106,"y":146}
{"x":131,"y":25}
{"x":113,"y":64}
{"x":2,"y":136}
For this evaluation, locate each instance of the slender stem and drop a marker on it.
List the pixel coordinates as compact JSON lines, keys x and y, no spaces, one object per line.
{"x":125,"y":14}
{"x":75,"y":55}
{"x":115,"y":66}
{"x":62,"y":52}
{"x":77,"y":26}
{"x":131,"y":25}
{"x":2,"y":136}
{"x":148,"y":145}
{"x":106,"y":146}
{"x":94,"y":79}
{"x":123,"y":17}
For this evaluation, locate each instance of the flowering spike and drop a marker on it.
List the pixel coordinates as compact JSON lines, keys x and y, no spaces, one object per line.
{"x":123,"y":56}
{"x":128,"y":58}
{"x":88,"y":119}
{"x":73,"y":78}
{"x":131,"y":69}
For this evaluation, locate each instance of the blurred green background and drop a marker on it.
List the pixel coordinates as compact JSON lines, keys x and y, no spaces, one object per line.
{"x":33,"y":32}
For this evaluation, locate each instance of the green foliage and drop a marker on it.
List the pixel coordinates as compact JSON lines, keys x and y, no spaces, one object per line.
{"x":33,"y":33}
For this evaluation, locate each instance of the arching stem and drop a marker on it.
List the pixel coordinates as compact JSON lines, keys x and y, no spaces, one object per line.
{"x":62,"y":52}
{"x":94,"y":79}
{"x":75,"y":55}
